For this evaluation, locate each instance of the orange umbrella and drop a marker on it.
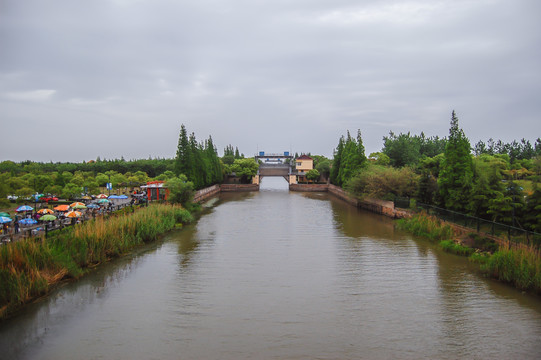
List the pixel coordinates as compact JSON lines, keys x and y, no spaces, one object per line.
{"x":76,"y":205}
{"x":62,"y":208}
{"x":45,"y":211}
{"x":72,"y":214}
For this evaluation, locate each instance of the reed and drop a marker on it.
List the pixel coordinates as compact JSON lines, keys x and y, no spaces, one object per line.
{"x":427,"y":226}
{"x":520,"y":267}
{"x":29,"y":267}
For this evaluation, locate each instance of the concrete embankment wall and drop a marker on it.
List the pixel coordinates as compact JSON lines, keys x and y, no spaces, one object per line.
{"x":374,"y":205}
{"x":206,"y":193}
{"x":211,"y":191}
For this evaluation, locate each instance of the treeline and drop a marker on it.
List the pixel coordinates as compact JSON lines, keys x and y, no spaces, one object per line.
{"x":152,"y":167}
{"x":496,"y":182}
{"x":198,"y":161}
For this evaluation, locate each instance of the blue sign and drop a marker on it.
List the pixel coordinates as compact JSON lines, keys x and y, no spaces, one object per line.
{"x":109,"y":186}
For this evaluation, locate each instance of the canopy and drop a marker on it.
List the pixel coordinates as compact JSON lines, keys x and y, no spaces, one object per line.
{"x":101,"y":196}
{"x":48,"y":217}
{"x":5,"y":214}
{"x":72,"y":214}
{"x":62,"y":208}
{"x":101,"y":201}
{"x":24,"y":208}
{"x":114,"y":197}
{"x":77,"y":205}
{"x":28,"y":221}
{"x":92,"y":206}
{"x":45,"y":211}
{"x":4,"y":219}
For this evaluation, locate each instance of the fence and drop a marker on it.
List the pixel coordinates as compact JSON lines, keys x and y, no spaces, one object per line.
{"x":513,"y":234}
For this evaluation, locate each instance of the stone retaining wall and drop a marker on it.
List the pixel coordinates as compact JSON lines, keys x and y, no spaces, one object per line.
{"x":239,"y":187}
{"x":205,"y":193}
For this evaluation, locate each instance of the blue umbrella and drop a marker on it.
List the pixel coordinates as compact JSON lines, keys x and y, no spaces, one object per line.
{"x":28,"y":221}
{"x":122,"y":196}
{"x":25,"y":208}
{"x":114,"y":197}
{"x":92,"y":206}
{"x":4,"y":219}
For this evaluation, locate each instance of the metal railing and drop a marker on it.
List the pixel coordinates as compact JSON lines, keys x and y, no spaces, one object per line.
{"x":479,"y":225}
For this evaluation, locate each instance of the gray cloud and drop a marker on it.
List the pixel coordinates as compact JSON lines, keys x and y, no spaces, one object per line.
{"x":117,"y":78}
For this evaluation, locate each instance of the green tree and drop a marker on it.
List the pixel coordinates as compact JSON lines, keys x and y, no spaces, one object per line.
{"x":312,"y":175}
{"x":181,"y":190}
{"x":245,"y":169}
{"x":456,"y":173}
{"x":337,"y":162}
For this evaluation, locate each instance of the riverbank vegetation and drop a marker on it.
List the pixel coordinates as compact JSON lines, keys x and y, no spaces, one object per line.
{"x":29,"y":268}
{"x":519,"y":266}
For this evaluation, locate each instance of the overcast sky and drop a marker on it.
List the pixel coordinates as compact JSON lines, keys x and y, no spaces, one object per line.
{"x":112,"y":78}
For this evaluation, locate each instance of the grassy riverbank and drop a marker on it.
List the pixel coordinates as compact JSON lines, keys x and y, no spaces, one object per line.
{"x":519,"y":267}
{"x":28,"y":268}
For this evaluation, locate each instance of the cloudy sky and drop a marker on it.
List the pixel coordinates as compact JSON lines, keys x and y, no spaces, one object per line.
{"x":112,"y":78}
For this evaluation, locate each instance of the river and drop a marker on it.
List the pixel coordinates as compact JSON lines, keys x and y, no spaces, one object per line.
{"x":279,"y":275}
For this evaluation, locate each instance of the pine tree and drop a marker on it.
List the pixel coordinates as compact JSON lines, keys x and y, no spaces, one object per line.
{"x":184,"y":159}
{"x":456,"y":174}
{"x":336,"y":162}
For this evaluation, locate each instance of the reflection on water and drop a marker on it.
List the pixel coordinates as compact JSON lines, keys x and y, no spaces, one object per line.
{"x":279,"y":275}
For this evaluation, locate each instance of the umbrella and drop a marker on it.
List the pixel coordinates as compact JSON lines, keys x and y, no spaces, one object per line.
{"x":77,"y":205}
{"x":28,"y":221}
{"x":48,"y":217}
{"x":101,"y":201}
{"x":45,"y":211}
{"x":114,"y":197}
{"x":73,"y":214}
{"x":86,"y":197}
{"x":24,"y":208}
{"x":4,"y":220}
{"x":5,"y":214}
{"x":122,"y":196}
{"x":92,"y":206}
{"x":102,"y":196}
{"x":62,"y":208}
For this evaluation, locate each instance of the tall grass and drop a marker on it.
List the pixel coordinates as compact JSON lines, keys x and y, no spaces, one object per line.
{"x":29,"y":267}
{"x":520,"y":267}
{"x":427,"y":226}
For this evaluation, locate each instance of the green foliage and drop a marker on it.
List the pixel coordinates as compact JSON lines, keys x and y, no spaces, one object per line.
{"x":452,"y":247}
{"x":180,"y":190}
{"x":349,"y":159}
{"x":312,"y":175}
{"x":427,"y":226}
{"x":198,"y":161}
{"x":384,"y":183}
{"x":245,"y":169}
{"x":520,"y":267}
{"x":380,"y":158}
{"x":406,"y":150}
{"x":456,"y":174}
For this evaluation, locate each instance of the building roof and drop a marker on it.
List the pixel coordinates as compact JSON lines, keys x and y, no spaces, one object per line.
{"x":304,"y":157}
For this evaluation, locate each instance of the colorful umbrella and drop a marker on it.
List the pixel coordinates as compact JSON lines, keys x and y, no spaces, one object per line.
{"x":24,"y":208}
{"x":62,"y":208}
{"x":77,"y":205}
{"x":101,"y":196}
{"x":45,"y":211}
{"x":5,"y":214}
{"x":48,"y":217}
{"x":27,"y":221}
{"x":101,"y":201}
{"x":4,"y":220}
{"x":86,"y":197}
{"x":72,"y":214}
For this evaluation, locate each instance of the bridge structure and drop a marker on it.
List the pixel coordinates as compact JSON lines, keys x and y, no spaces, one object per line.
{"x":275,"y":164}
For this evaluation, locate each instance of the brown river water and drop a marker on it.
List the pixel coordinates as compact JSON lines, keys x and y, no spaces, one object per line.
{"x":280,"y":275}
